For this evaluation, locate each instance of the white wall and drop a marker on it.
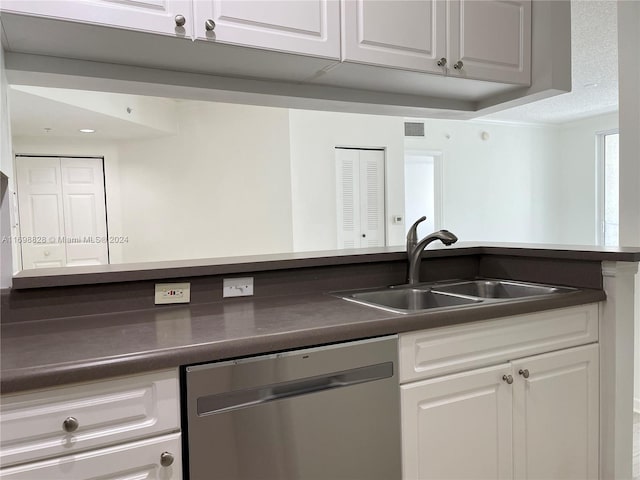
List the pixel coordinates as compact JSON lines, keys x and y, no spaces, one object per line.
{"x":219,"y":188}
{"x":501,"y":189}
{"x":6,"y":167}
{"x":577,"y":173}
{"x":313,"y":138}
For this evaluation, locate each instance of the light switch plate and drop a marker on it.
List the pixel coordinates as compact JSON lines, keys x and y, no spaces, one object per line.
{"x":237,"y":287}
{"x":172,"y":293}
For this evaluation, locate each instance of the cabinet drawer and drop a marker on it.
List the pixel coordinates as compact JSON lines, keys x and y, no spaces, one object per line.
{"x":438,"y":351}
{"x":136,"y":460}
{"x":107,"y":412}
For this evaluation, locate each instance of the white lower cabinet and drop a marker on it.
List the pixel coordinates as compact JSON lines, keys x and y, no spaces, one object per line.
{"x":532,"y":417}
{"x":124,"y":428}
{"x":136,"y":460}
{"x":458,"y":426}
{"x":555,"y":415}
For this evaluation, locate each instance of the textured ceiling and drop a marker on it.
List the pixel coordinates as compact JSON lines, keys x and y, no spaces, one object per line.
{"x":594,"y":55}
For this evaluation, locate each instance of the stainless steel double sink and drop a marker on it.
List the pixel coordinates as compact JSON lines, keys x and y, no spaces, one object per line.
{"x":453,"y":294}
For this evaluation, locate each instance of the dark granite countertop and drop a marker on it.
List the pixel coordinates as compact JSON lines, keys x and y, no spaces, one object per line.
{"x":46,"y":353}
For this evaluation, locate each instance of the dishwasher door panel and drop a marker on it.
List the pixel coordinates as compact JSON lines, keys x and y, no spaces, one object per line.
{"x":324,"y":413}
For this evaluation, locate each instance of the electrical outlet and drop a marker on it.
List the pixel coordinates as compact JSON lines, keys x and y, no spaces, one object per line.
{"x":237,"y":287}
{"x":173,"y":293}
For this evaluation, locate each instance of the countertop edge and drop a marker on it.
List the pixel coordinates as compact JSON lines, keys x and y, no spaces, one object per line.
{"x":101,"y":274}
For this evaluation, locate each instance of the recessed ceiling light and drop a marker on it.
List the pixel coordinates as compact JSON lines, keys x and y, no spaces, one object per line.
{"x":590,"y":85}
{"x":87,"y":130}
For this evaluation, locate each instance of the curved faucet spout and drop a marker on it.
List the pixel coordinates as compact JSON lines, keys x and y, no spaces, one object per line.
{"x":415,"y":254}
{"x":412,"y":234}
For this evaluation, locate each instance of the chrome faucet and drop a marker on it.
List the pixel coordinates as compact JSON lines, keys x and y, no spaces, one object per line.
{"x":415,"y":248}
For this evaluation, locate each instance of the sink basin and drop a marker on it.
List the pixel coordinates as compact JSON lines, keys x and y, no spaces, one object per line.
{"x":405,"y":300}
{"x":429,"y":296}
{"x":499,"y":289}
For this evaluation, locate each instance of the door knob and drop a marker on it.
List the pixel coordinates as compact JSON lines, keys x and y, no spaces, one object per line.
{"x":524,"y":373}
{"x":180,"y":20}
{"x":458,"y":65}
{"x":70,"y":424}
{"x":508,"y":379}
{"x":442,"y":62}
{"x":209,"y":25}
{"x":166,"y":459}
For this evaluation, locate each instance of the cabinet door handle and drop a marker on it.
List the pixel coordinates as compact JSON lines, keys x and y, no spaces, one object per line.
{"x":458,"y":65}
{"x":70,"y":424}
{"x":442,"y":62}
{"x":166,"y":459}
{"x":209,"y":25}
{"x":524,"y":373}
{"x":508,"y":379}
{"x":180,"y":20}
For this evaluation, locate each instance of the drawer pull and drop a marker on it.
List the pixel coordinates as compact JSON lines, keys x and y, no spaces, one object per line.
{"x":70,"y":424}
{"x":166,"y":459}
{"x":508,"y":379}
{"x":524,"y":373}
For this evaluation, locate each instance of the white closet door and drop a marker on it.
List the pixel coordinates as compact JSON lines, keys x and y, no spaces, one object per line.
{"x":360,"y":198}
{"x":84,"y":211}
{"x":41,"y":212}
{"x":372,"y":198}
{"x":348,"y":191}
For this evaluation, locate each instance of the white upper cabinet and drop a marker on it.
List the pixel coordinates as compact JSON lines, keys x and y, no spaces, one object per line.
{"x":403,"y":34}
{"x":491,"y":39}
{"x":478,"y":39}
{"x":310,"y":27}
{"x":168,"y":17}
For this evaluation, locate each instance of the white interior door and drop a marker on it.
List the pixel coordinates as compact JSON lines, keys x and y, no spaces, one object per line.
{"x":40,"y":208}
{"x":360,"y":198}
{"x":61,"y":204}
{"x":84,"y":211}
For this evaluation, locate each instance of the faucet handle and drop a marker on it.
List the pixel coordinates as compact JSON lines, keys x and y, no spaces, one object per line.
{"x":412,"y":234}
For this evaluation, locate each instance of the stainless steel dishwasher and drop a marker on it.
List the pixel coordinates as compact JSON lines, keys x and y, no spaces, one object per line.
{"x":325,"y":413}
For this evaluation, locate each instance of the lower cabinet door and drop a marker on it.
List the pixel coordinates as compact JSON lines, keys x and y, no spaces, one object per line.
{"x":556,"y":405}
{"x":458,"y":426}
{"x":142,"y":460}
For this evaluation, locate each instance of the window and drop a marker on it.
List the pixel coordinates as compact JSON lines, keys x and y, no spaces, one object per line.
{"x":608,"y":187}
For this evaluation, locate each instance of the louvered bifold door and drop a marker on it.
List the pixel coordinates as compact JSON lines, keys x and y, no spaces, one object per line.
{"x":372,"y":198}
{"x":360,"y":198}
{"x":348,"y":194}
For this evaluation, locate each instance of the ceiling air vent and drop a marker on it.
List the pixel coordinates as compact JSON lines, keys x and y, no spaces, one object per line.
{"x":413,"y":129}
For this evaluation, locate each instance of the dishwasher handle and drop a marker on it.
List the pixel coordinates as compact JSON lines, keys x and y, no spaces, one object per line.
{"x":235,"y":400}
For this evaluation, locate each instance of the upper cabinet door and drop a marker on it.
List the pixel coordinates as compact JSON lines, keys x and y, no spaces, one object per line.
{"x":409,"y":34}
{"x":491,"y":39}
{"x":155,"y":16}
{"x":310,"y":27}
